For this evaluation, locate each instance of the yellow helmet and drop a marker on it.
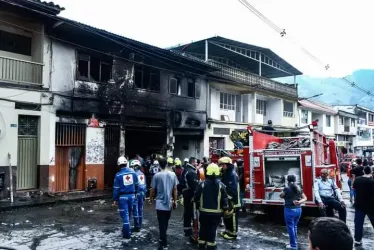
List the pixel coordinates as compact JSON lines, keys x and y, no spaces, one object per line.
{"x":212,"y":169}
{"x":225,"y":160}
{"x":178,"y":162}
{"x":170,"y":160}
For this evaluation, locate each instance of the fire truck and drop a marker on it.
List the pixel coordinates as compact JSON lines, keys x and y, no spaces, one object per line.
{"x":268,"y":160}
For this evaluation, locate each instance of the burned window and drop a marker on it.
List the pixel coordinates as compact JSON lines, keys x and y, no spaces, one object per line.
{"x":147,"y":78}
{"x":15,"y":43}
{"x":173,"y":86}
{"x":191,"y":88}
{"x":92,"y":68}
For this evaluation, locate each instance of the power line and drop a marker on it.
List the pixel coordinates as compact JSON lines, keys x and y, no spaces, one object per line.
{"x":305,"y":51}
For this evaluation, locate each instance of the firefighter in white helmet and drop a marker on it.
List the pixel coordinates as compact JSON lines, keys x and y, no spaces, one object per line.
{"x":142,"y":191}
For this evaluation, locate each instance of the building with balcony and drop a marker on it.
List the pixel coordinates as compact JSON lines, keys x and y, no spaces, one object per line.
{"x":363,"y":140}
{"x":242,"y":92}
{"x":312,"y":110}
{"x":74,"y":97}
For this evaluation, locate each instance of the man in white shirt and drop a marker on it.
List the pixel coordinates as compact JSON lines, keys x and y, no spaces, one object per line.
{"x":328,"y":194}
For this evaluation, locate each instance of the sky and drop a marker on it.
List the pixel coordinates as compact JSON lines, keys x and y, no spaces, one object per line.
{"x":336,"y":32}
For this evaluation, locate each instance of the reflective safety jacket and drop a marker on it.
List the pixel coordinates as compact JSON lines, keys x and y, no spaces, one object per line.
{"x":211,"y":196}
{"x":142,"y":184}
{"x":231,"y":180}
{"x":125,"y":182}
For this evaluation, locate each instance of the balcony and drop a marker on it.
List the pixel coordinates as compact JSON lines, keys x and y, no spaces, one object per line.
{"x":253,"y":80}
{"x":288,"y":114}
{"x":346,"y":129}
{"x":20,"y":71}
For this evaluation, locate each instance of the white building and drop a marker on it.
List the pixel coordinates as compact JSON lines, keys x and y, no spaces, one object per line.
{"x":243,"y":93}
{"x":312,"y":110}
{"x":363,"y":141}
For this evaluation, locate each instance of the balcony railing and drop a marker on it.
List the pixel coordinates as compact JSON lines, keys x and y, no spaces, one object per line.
{"x":253,"y":80}
{"x":288,"y":114}
{"x":346,"y":129}
{"x":20,"y":71}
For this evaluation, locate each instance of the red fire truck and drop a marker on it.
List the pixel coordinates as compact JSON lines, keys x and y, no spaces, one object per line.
{"x":269,"y":159}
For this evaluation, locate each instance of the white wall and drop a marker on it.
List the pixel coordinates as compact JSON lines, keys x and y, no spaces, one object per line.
{"x":290,"y":121}
{"x":274,"y":112}
{"x":9,"y":141}
{"x":215,"y":110}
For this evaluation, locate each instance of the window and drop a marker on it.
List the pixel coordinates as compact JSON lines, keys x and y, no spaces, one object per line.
{"x":92,"y":68}
{"x":288,"y":109}
{"x":260,"y":107}
{"x":304,"y":116}
{"x":371,"y":118}
{"x":353,"y":123}
{"x":341,"y":121}
{"x":227,"y":101}
{"x":328,"y":120}
{"x":147,"y":78}
{"x":191,"y":88}
{"x":173,"y":86}
{"x":15,"y":43}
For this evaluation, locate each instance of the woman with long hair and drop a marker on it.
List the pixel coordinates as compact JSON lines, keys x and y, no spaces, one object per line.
{"x":293,"y":197}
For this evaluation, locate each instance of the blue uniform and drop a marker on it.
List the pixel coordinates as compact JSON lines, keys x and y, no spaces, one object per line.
{"x":124,"y":190}
{"x":142,"y":191}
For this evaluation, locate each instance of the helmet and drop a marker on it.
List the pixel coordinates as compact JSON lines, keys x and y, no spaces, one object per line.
{"x":156,"y":162}
{"x":135,"y":163}
{"x":170,"y":160}
{"x":122,"y":161}
{"x":186,"y":160}
{"x":225,"y":160}
{"x":178,"y":162}
{"x":212,"y":169}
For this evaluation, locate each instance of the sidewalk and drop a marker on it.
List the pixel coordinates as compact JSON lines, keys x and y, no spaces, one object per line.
{"x":43,"y":200}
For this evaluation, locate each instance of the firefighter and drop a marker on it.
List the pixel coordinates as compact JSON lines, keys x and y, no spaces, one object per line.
{"x":155,"y":168}
{"x":212,"y":200}
{"x":140,"y":197}
{"x":125,"y":188}
{"x":170,"y":165}
{"x":189,"y":184}
{"x":231,"y":181}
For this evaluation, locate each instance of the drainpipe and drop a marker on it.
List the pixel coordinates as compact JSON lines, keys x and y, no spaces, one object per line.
{"x":10,"y":178}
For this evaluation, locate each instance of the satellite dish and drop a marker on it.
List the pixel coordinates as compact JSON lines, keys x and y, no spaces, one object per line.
{"x":2,"y":127}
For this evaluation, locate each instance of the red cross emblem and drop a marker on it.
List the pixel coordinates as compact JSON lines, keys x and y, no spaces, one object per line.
{"x":127,"y":178}
{"x":141,"y":177}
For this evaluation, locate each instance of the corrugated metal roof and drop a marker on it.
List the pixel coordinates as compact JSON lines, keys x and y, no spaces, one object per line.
{"x":322,"y":107}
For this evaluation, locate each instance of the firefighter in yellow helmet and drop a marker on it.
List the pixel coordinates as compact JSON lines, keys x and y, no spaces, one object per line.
{"x":170,"y":162}
{"x":212,"y":200}
{"x":231,"y":180}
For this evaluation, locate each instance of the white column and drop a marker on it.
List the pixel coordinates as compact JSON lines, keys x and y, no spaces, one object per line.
{"x":260,"y":66}
{"x":206,"y":50}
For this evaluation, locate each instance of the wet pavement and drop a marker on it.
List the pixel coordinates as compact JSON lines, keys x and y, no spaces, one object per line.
{"x":96,"y":225}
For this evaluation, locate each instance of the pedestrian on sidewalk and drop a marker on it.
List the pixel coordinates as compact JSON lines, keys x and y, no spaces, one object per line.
{"x":293,"y":198}
{"x":125,"y":188}
{"x":329,"y":234}
{"x":164,"y":190}
{"x":364,"y":203}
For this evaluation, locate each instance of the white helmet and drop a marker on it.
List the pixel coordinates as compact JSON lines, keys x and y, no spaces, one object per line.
{"x":122,"y":161}
{"x":156,"y":162}
{"x":186,"y":160}
{"x":135,"y":163}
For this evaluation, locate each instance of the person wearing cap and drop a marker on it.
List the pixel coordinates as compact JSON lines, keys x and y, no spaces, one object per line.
{"x":231,"y":180}
{"x":125,"y":189}
{"x":142,"y":191}
{"x":189,"y":183}
{"x":155,"y":168}
{"x":211,"y":199}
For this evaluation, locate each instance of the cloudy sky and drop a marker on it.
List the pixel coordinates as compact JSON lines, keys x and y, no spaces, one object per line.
{"x":337,"y":32}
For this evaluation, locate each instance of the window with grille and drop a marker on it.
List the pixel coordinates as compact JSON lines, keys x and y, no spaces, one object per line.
{"x":227,"y":101}
{"x":260,"y":107}
{"x":288,"y":109}
{"x":27,"y":125}
{"x":304,"y":116}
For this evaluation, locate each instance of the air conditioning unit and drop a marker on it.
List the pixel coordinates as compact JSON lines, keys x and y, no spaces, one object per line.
{"x":188,"y":120}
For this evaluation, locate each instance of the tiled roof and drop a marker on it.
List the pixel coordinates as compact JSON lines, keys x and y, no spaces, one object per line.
{"x":322,"y":107}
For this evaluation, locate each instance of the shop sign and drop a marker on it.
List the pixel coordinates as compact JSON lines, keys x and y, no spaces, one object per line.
{"x":340,"y":143}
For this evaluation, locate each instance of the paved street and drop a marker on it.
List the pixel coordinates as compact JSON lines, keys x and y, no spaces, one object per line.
{"x":96,"y":225}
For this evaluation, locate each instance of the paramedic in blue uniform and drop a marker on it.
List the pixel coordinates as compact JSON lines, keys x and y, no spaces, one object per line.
{"x":142,"y":191}
{"x":211,"y":198}
{"x":231,"y":180}
{"x":124,"y":194}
